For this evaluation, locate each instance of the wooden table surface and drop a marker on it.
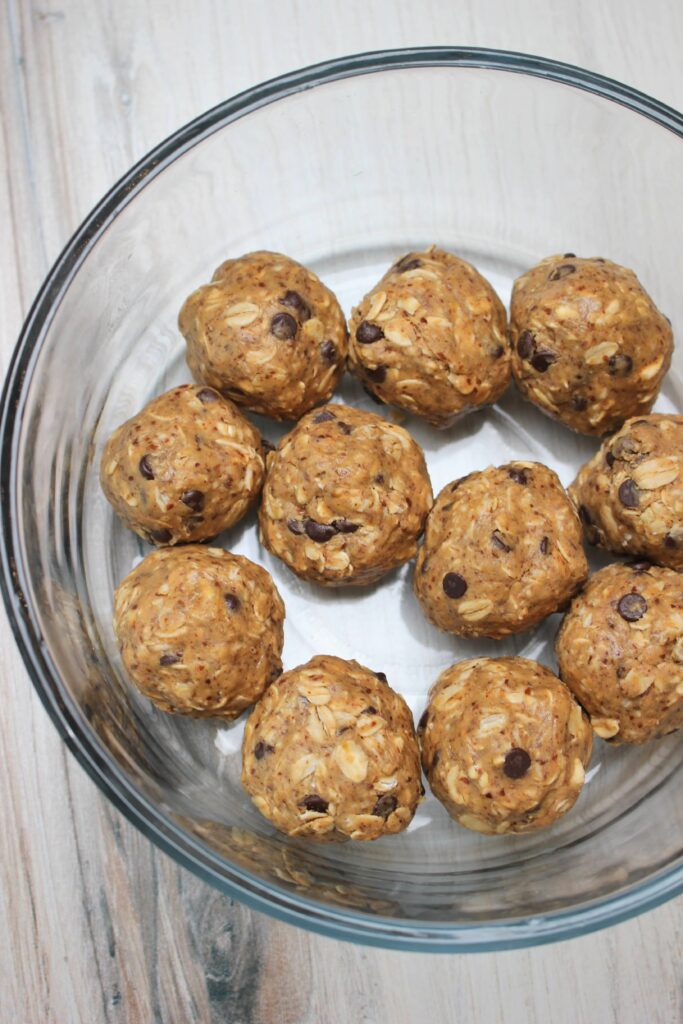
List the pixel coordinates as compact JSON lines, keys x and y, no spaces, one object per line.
{"x":96,"y":924}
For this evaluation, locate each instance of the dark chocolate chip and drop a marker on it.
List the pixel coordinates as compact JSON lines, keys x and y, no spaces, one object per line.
{"x":525,"y":345}
{"x":497,"y":352}
{"x":295,"y":526}
{"x":161,"y":536}
{"x":294,"y":301}
{"x":569,"y":256}
{"x":261,"y":749}
{"x":518,"y":475}
{"x":669,"y":541}
{"x":345,"y":525}
{"x":145,"y":467}
{"x":193,"y":500}
{"x":624,"y":446}
{"x":208,"y":395}
{"x":585,"y":516}
{"x":367,"y":333}
{"x":564,"y":270}
{"x":385,"y":806}
{"x":629,"y":494}
{"x":580,"y":403}
{"x":320,"y":532}
{"x":609,"y":459}
{"x":371,"y":709}
{"x":345,"y":427}
{"x":378,"y":375}
{"x":233,"y":602}
{"x":328,"y":352}
{"x":454,"y":585}
{"x":169,"y":659}
{"x":324,"y":417}
{"x":382,"y":676}
{"x":632,"y":607}
{"x":498,"y":541}
{"x":379,"y":479}
{"x":619,"y":365}
{"x":408,"y":262}
{"x":517,"y":763}
{"x":641,"y":566}
{"x":372,"y":395}
{"x":542,"y":359}
{"x":283,"y":326}
{"x":544,"y":546}
{"x":313,"y":802}
{"x":423,"y":719}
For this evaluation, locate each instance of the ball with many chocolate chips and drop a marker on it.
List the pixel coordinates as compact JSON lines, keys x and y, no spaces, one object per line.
{"x":267,"y":333}
{"x":502,"y":550}
{"x":431,"y":337}
{"x":589,"y":346}
{"x":329,"y":753}
{"x":620,"y":651}
{"x":504,"y":745}
{"x":184,"y":468}
{"x":200,"y":630}
{"x":346,"y":497}
{"x":630,"y":494}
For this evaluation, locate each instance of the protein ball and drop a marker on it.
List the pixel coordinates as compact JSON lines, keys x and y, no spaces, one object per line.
{"x":502,"y":549}
{"x":620,"y":651}
{"x":589,"y":346}
{"x":346,"y":497}
{"x":431,"y":337}
{"x":200,"y":630}
{"x":186,"y":467}
{"x":504,"y":745}
{"x":630,"y":494}
{"x":330,"y":753}
{"x":267,"y":333}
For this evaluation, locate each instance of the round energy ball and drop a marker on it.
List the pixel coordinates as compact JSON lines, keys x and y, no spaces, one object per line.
{"x":630,"y":494}
{"x":502,"y":550}
{"x":431,"y":337}
{"x":330,"y":753}
{"x":200,"y":630}
{"x":267,"y":333}
{"x":620,"y":651}
{"x":504,"y":745}
{"x":589,"y":346}
{"x":184,"y":468}
{"x":346,"y":497}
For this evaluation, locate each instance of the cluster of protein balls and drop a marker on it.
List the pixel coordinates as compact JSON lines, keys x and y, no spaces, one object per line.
{"x":330,"y":750}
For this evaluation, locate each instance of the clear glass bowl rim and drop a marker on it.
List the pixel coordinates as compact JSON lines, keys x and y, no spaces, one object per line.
{"x":236,"y":881}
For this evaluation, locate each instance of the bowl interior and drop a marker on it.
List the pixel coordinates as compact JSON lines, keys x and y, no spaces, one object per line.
{"x":501,"y":168}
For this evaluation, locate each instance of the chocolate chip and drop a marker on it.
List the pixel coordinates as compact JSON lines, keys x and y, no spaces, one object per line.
{"x":423,"y":719}
{"x":233,"y":602}
{"x":632,"y":607}
{"x":324,"y":417}
{"x":625,"y":446}
{"x":373,"y":396}
{"x":640,"y":566}
{"x":283,"y":326}
{"x":295,"y":526}
{"x":328,"y":352}
{"x":580,"y":403}
{"x":517,"y":763}
{"x":619,"y":365}
{"x":525,"y":345}
{"x":629,"y":494}
{"x":542,"y":359}
{"x":609,"y":459}
{"x":518,"y":475}
{"x":208,"y":395}
{"x":145,"y":467}
{"x":367,"y":333}
{"x":498,"y":542}
{"x":169,"y":659}
{"x":381,"y":676}
{"x":313,"y":802}
{"x":345,"y":525}
{"x":585,"y":516}
{"x":598,"y":259}
{"x":497,"y":352}
{"x":569,"y":256}
{"x":622,"y":670}
{"x":261,"y":749}
{"x":345,"y":427}
{"x":669,"y":541}
{"x":320,"y":532}
{"x":294,"y":301}
{"x":378,"y":375}
{"x":379,"y":479}
{"x":408,"y":262}
{"x":160,"y":536}
{"x":371,"y":709}
{"x":193,"y":500}
{"x":564,"y":270}
{"x":385,"y":806}
{"x":544,"y":546}
{"x":454,"y":585}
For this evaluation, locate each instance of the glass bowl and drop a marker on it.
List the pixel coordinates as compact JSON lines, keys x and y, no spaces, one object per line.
{"x":500,"y":157}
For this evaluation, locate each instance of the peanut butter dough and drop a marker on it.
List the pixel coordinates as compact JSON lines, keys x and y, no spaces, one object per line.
{"x":630,"y":494}
{"x":502,"y":550}
{"x":430,"y":337}
{"x":200,"y":630}
{"x":186,"y":467}
{"x":330,"y":753}
{"x":504,"y":745}
{"x":620,"y":650}
{"x":589,"y":346}
{"x":346,"y":497}
{"x":267,"y":333}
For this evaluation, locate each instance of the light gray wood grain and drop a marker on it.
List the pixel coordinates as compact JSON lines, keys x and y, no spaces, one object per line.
{"x":95,"y":924}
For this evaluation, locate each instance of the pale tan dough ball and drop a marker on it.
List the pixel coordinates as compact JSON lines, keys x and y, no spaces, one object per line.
{"x":431,"y":337}
{"x":330,"y":753}
{"x":184,"y":468}
{"x":200,"y":630}
{"x":589,"y":346}
{"x":267,"y":333}
{"x":504,"y":745}
{"x":620,"y":651}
